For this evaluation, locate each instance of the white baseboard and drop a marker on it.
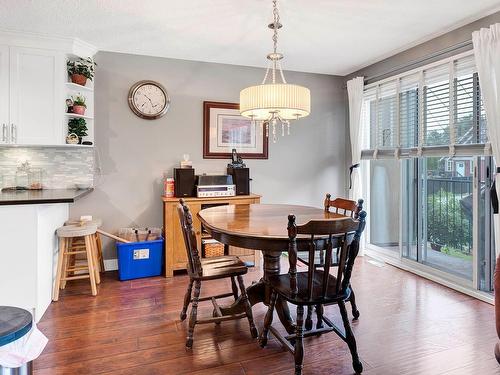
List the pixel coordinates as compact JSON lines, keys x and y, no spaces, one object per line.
{"x":110,"y":264}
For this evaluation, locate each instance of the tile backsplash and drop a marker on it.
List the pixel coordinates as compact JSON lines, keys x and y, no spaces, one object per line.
{"x":62,"y":167}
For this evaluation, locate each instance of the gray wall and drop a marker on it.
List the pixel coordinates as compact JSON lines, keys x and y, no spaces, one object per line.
{"x":134,"y":153}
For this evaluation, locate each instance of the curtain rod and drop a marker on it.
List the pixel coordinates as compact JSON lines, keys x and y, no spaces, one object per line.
{"x":418,"y":62}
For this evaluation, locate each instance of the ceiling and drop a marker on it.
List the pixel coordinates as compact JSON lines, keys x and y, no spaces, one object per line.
{"x":321,"y":36}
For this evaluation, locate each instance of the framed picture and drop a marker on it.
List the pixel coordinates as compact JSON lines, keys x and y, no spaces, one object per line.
{"x":224,"y":129}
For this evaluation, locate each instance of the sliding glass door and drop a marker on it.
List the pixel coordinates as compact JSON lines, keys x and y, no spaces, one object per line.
{"x":442,"y":210}
{"x":447,"y":214}
{"x":485,"y":236}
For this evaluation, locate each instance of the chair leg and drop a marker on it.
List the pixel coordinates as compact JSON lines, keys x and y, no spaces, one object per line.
{"x":194,"y":313}
{"x":187,"y":300}
{"x":319,"y":314}
{"x":248,"y":307}
{"x":309,"y":322}
{"x":299,"y":338}
{"x":234,"y":287}
{"x":351,"y":341}
{"x":354,"y":307}
{"x":268,"y":320}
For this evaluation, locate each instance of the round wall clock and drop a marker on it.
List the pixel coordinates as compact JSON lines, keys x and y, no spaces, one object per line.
{"x":148,"y":100}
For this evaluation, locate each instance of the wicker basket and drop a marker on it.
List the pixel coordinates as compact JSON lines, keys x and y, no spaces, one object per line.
{"x":212,"y":248}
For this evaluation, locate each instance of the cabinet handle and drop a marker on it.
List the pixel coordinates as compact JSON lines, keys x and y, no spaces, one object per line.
{"x":13,"y":133}
{"x":4,"y":133}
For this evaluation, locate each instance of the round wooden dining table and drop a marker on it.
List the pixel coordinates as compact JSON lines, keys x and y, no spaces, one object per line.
{"x":260,"y":227}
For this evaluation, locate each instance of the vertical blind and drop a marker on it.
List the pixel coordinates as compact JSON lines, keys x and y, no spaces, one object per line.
{"x":434,"y":110}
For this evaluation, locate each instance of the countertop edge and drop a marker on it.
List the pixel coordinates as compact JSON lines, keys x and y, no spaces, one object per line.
{"x":27,"y":201}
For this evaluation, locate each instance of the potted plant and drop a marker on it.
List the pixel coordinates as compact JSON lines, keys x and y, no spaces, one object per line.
{"x":79,"y":105}
{"x":78,"y":126}
{"x":80,"y":70}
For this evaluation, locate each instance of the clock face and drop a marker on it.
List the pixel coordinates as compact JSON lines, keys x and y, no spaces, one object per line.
{"x":148,"y":100}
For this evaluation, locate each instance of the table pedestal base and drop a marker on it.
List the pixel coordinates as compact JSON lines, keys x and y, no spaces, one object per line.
{"x":260,"y":292}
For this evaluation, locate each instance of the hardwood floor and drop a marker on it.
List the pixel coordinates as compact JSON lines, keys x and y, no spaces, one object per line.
{"x":408,"y":325}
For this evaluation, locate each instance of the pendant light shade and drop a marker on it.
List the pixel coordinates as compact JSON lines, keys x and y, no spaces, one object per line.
{"x":275,"y":103}
{"x":289,"y":102}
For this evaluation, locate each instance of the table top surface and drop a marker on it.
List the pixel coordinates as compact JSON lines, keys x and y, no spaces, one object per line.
{"x":260,"y":220}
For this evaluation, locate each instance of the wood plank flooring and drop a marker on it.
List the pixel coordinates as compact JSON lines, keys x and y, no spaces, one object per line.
{"x":408,"y":325}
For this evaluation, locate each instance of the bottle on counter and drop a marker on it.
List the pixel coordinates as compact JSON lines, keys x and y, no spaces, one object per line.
{"x":22,"y":176}
{"x":168,"y":187}
{"x":35,"y":177}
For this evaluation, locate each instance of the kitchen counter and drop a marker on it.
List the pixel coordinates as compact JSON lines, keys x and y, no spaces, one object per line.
{"x":28,"y":224}
{"x":42,"y":196}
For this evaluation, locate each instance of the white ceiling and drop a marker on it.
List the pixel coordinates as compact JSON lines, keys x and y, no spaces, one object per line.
{"x":321,"y":36}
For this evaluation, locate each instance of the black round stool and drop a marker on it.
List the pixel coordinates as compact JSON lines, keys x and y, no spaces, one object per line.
{"x":14,"y":324}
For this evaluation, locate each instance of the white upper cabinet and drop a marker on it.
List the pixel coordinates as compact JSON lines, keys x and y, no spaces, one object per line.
{"x":33,"y":88}
{"x":4,"y":95}
{"x":36,"y":99}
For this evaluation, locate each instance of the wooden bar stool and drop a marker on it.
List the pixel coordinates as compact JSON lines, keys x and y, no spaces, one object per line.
{"x":80,"y":241}
{"x":66,"y":235}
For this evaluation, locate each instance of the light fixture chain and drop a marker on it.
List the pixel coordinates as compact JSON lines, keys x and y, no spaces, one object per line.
{"x":276,"y":25}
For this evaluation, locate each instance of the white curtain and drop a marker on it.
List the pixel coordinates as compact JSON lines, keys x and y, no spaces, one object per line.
{"x":486,"y":44}
{"x":355,"y":88}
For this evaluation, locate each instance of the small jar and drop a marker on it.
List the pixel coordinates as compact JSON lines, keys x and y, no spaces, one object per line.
{"x":35,"y":179}
{"x":22,"y":178}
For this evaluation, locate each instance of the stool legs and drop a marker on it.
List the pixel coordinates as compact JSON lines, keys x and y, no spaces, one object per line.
{"x":90,"y":261}
{"x":96,"y":259}
{"x":99,"y":252}
{"x":66,"y":267}
{"x":60,"y":260}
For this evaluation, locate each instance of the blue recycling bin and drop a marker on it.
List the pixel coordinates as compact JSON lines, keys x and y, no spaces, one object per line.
{"x":140,"y":259}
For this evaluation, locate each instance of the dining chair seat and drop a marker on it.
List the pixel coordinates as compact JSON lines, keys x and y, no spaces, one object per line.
{"x":221,"y":268}
{"x":281,"y":284}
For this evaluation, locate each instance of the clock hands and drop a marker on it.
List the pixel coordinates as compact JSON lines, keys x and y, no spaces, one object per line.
{"x":153,"y":105}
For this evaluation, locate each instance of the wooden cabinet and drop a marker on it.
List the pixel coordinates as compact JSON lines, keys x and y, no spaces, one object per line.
{"x":175,"y":252}
{"x":35,"y":96}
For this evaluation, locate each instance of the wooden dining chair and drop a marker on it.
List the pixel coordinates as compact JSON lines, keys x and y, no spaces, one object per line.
{"x":317,"y":286}
{"x":214,"y":268}
{"x":344,"y":207}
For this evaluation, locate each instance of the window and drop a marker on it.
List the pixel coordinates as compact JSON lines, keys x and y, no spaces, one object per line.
{"x":449,"y":166}
{"x":435,"y":110}
{"x":424,"y":134}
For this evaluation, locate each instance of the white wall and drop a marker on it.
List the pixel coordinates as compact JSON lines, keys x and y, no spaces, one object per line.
{"x":135,"y":153}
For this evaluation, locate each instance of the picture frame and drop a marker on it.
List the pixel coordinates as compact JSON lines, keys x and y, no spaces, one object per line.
{"x":224,"y":129}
